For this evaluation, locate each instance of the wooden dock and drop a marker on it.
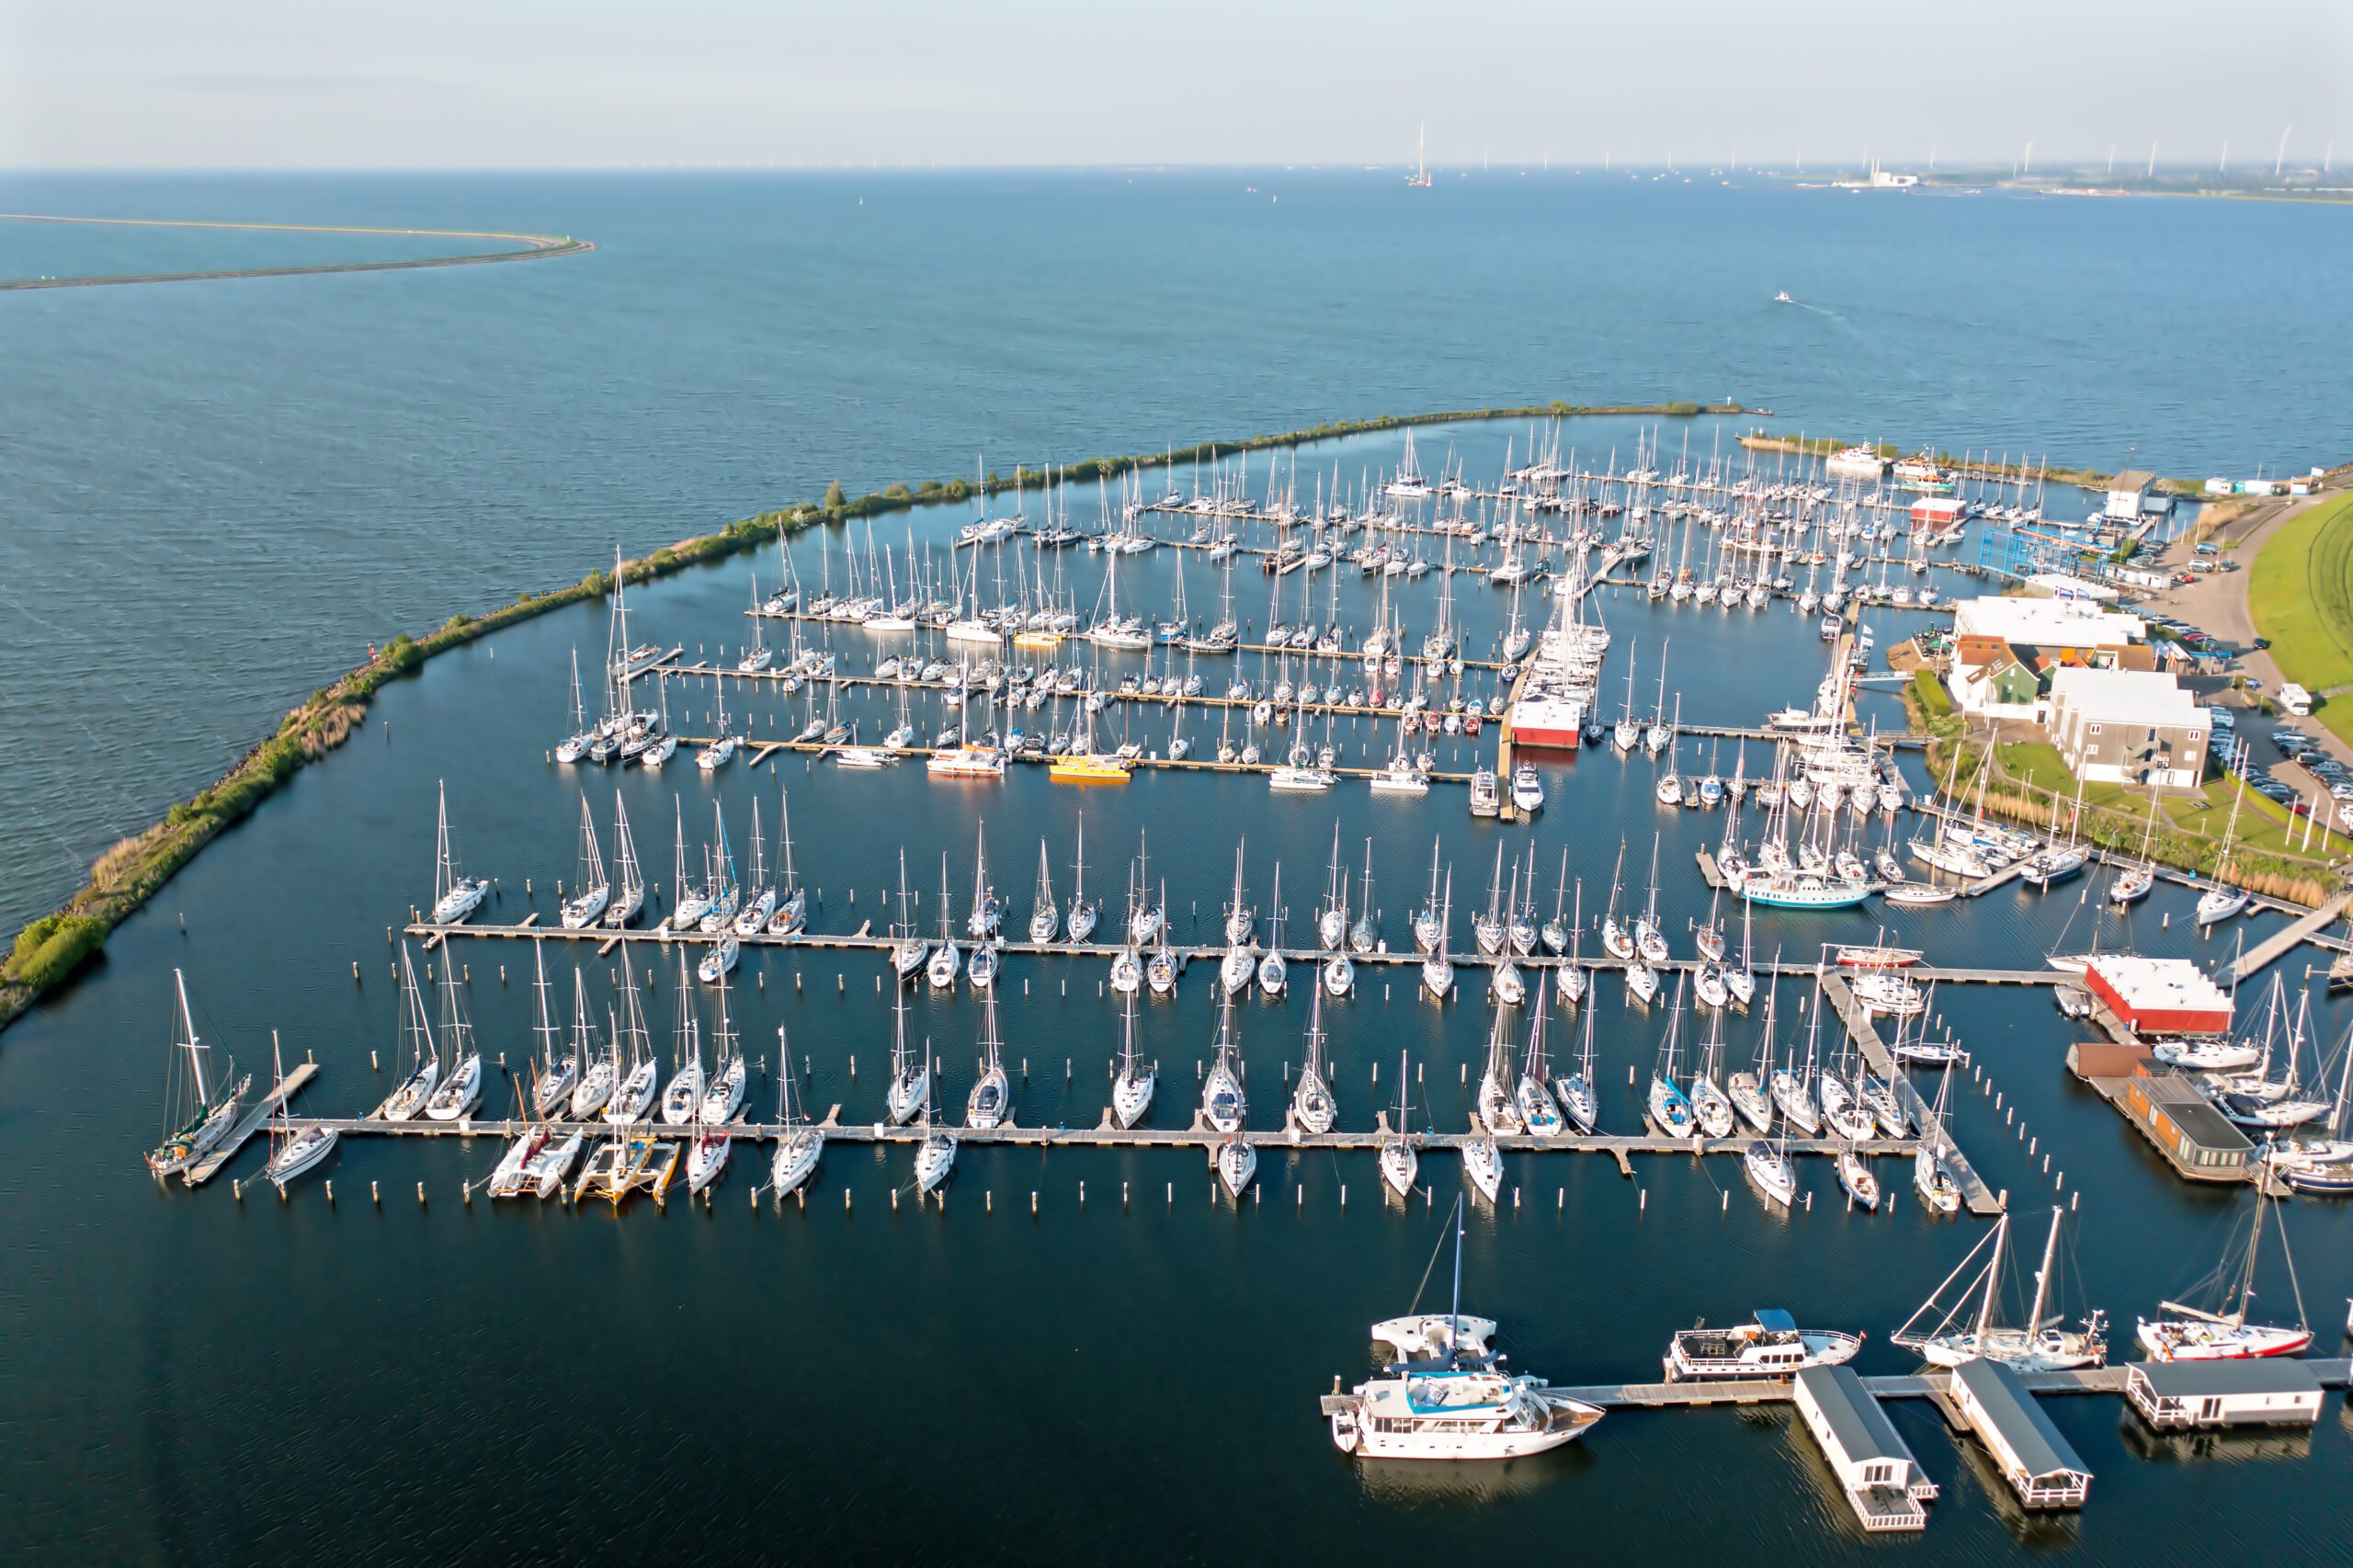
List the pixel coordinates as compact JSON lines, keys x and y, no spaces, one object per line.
{"x":1865,"y":1033}
{"x":1107,"y":1135}
{"x":2280,"y":943}
{"x":256,"y":1116}
{"x":1934,"y":1384}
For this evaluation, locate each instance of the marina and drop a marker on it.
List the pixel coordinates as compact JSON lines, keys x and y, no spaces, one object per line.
{"x":884,"y":827}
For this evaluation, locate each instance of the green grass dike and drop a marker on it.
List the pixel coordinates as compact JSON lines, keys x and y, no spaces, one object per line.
{"x":51,"y":948}
{"x":2301,"y":596}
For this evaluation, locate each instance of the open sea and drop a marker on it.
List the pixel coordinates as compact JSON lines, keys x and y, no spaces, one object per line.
{"x":214,"y":495}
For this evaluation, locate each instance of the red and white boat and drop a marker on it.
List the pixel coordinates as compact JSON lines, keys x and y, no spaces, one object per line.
{"x":2192,"y":1334}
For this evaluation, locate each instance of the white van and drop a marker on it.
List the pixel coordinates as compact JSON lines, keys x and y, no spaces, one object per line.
{"x":2295,"y":699}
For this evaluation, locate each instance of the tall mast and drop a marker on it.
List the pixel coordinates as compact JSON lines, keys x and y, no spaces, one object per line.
{"x":195,"y":1048}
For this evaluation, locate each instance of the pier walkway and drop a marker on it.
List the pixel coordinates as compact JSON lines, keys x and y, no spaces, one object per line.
{"x":205,"y":1169}
{"x":1865,"y":1033}
{"x":2282,"y":942}
{"x":1927,"y":1384}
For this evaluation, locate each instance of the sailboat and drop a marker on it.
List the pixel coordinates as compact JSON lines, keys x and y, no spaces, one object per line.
{"x":1939,"y":1194}
{"x":1710,"y":1104}
{"x":1045,"y":918}
{"x":1794,"y":1087}
{"x":1241,"y":920}
{"x":581,"y":910}
{"x":599,"y":1073}
{"x":1364,"y":937}
{"x":640,"y":1071}
{"x":1222,"y":1104}
{"x":1534,"y":1092}
{"x":800,"y":1144}
{"x":1464,"y":1407}
{"x":1132,"y":1085}
{"x":936,"y":1156}
{"x":409,"y":1098}
{"x":723,"y":1094}
{"x":1083,"y":912}
{"x":947,"y":960}
{"x":1749,"y":1091}
{"x":204,"y":1115}
{"x":1273,"y":969}
{"x":455,"y":895}
{"x":1576,"y":1090}
{"x":791,"y":914}
{"x":908,"y":951}
{"x":2037,"y":1345}
{"x":555,"y":1077}
{"x":991,"y":1101}
{"x":575,"y":746}
{"x":461,"y":1088}
{"x":291,"y":1152}
{"x":1766,"y":1163}
{"x":752,"y":917}
{"x":1237,"y":1163}
{"x":910,"y":1088}
{"x":2192,"y":1334}
{"x":1332,"y":920}
{"x":1498,"y":1102}
{"x":1437,"y":970}
{"x":2220,"y":902}
{"x":628,"y":897}
{"x":1429,"y":922}
{"x":683,"y":1099}
{"x":1311,"y":1101}
{"x":1399,"y":1163}
{"x":1669,"y":1110}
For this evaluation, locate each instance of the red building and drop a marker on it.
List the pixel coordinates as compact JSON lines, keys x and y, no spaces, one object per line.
{"x":2159,"y":996}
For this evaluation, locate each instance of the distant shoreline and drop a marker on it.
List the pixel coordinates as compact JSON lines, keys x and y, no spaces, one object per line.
{"x":528,"y":247}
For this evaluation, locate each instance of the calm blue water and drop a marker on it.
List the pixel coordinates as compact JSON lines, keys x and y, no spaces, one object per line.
{"x":216,"y":494}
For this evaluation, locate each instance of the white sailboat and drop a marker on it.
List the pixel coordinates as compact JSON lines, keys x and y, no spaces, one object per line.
{"x":936,"y":1156}
{"x":455,"y":895}
{"x":1399,"y":1163}
{"x":292,"y":1153}
{"x":910,"y":1089}
{"x":1082,"y":911}
{"x":461,"y":1088}
{"x":1045,"y":917}
{"x":792,"y":913}
{"x":1222,"y":1103}
{"x":410,"y":1096}
{"x":1132,"y":1084}
{"x":556,"y":1075}
{"x":640,"y":1070}
{"x":991,"y":1100}
{"x":629,"y":892}
{"x":1311,"y":1101}
{"x":2039,"y":1344}
{"x":581,"y":910}
{"x":199,"y":1116}
{"x":600,"y":1072}
{"x":723,"y":1094}
{"x":800,"y":1144}
{"x":2195,"y":1334}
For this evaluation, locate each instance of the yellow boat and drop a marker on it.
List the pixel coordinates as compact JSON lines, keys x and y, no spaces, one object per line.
{"x":1048,"y":641}
{"x":1092,"y":768}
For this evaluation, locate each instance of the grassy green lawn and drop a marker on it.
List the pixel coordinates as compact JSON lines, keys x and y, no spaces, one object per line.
{"x":2207,"y":810}
{"x":2301,"y":594}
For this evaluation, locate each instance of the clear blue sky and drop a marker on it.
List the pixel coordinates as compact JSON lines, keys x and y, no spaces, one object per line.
{"x":242,"y":84}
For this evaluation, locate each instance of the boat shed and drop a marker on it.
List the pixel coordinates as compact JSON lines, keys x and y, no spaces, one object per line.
{"x":1883,"y":1483}
{"x":2277,"y":1390}
{"x":2199,"y":1140}
{"x":2039,"y":1463}
{"x":2159,"y":996}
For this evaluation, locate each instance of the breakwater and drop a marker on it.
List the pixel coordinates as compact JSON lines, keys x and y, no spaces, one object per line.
{"x":522,"y":248}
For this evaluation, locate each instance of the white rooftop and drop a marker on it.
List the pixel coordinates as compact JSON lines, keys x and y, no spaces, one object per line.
{"x":2160,"y":984}
{"x":2128,"y":697}
{"x":2040,"y":622}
